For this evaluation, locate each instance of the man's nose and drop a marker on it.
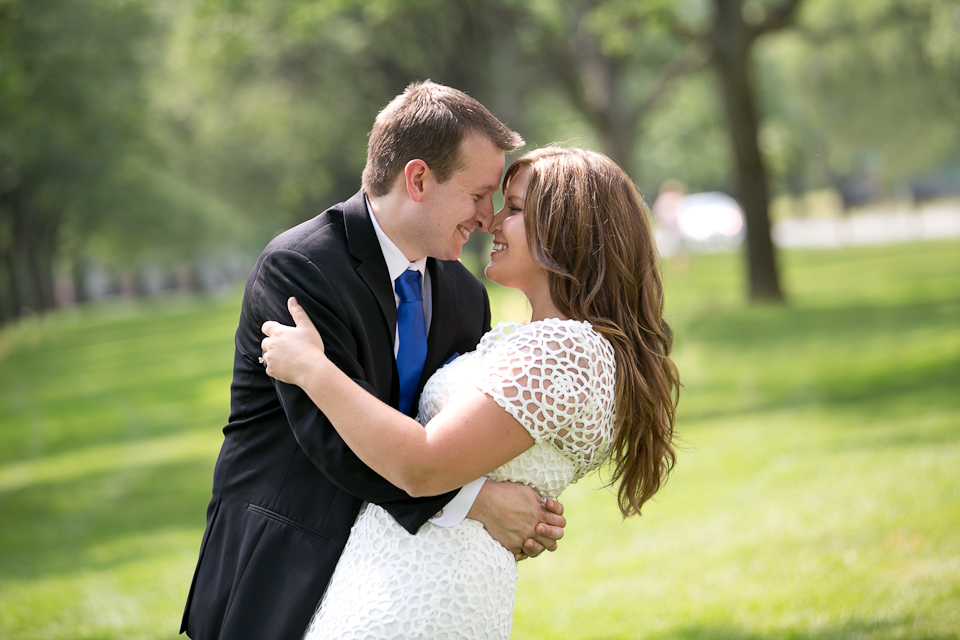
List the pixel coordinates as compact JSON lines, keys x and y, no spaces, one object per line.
{"x":484,"y":215}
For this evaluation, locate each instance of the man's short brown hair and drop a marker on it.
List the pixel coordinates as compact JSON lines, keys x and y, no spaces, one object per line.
{"x":428,"y":121}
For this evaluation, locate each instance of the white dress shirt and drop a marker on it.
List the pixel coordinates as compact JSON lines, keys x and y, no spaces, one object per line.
{"x":458,"y":508}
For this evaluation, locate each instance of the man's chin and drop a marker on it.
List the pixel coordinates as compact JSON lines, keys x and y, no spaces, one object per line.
{"x":453,"y":253}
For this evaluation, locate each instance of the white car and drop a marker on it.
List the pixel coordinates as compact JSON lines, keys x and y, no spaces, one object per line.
{"x":710,"y":220}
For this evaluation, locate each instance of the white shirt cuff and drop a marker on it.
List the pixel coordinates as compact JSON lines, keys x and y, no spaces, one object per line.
{"x":458,"y":508}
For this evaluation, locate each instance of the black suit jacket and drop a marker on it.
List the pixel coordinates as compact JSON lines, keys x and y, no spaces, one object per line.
{"x":286,"y":489}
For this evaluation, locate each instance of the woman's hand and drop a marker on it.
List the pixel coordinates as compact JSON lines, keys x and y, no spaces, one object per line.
{"x":290,"y":353}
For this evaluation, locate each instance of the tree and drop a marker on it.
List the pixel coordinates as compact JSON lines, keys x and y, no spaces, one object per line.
{"x":70,"y":107}
{"x":84,"y":158}
{"x":277,"y":99}
{"x":612,"y":61}
{"x":734,"y":29}
{"x":616,"y":61}
{"x":732,"y":38}
{"x":881,"y":82}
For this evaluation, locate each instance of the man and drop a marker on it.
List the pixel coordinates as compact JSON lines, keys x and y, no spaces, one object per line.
{"x":286,"y":489}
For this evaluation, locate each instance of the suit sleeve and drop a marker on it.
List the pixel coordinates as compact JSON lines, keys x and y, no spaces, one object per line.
{"x":486,"y":310}
{"x":286,"y":273}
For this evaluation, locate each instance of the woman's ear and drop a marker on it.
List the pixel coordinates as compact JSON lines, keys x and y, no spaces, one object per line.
{"x":414,"y":176}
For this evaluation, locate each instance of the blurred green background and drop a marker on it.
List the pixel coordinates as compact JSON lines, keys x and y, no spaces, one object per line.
{"x":148,"y":151}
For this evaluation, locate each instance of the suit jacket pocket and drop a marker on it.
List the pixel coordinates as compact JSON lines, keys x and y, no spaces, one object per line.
{"x":276,"y":517}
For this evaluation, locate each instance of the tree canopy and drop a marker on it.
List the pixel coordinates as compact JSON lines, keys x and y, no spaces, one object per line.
{"x":135,"y":131}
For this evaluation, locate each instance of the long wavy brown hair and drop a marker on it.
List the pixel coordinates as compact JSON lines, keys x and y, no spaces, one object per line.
{"x":588,"y":227}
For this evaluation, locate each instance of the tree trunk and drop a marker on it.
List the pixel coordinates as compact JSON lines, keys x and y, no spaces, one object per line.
{"x":8,"y":303}
{"x":78,"y":268}
{"x":44,"y":255}
{"x":615,"y":119}
{"x":619,"y":139}
{"x":33,"y":251}
{"x":8,"y":291}
{"x":732,"y":42}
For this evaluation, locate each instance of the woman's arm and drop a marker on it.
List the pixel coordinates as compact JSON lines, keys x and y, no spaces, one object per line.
{"x":470,"y":437}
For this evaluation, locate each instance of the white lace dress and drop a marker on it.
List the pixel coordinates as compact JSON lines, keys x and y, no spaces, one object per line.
{"x":556,"y":377}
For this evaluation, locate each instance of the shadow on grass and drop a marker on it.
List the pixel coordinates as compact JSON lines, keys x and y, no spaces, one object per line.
{"x":71,"y":423}
{"x":866,"y":357}
{"x":768,"y":326}
{"x":929,"y":388}
{"x":92,"y":383}
{"x":99,"y":520}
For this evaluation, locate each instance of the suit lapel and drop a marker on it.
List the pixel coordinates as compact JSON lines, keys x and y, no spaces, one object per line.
{"x":364,"y":246}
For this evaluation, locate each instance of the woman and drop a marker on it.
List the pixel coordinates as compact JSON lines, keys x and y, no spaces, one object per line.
{"x":543,"y":403}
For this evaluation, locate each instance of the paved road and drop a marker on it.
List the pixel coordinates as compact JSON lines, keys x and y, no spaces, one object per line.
{"x":934,"y":222}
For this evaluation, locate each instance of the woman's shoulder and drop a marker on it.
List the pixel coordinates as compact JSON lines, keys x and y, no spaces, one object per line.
{"x":553,"y":375}
{"x":550,"y":336}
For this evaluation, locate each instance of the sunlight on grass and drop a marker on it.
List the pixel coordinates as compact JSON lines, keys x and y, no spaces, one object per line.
{"x":134,"y":599}
{"x":111,"y":420}
{"x":106,"y":458}
{"x":817,"y":492}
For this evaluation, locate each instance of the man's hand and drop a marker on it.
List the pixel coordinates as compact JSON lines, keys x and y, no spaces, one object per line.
{"x":516,"y":518}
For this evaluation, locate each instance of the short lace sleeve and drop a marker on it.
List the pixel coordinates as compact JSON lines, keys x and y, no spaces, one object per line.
{"x":556,"y":377}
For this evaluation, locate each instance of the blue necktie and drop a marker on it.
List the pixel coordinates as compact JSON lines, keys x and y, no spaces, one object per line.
{"x":412,"y":331}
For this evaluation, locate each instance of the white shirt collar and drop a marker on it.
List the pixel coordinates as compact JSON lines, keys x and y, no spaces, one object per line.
{"x":397,"y":263}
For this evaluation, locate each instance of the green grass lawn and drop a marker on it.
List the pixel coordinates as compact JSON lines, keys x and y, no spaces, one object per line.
{"x":817,"y":494}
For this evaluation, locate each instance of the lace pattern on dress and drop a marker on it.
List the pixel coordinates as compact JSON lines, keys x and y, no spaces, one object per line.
{"x":557,"y":378}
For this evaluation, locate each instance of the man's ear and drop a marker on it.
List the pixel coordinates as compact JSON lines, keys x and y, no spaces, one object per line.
{"x":414,"y":176}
